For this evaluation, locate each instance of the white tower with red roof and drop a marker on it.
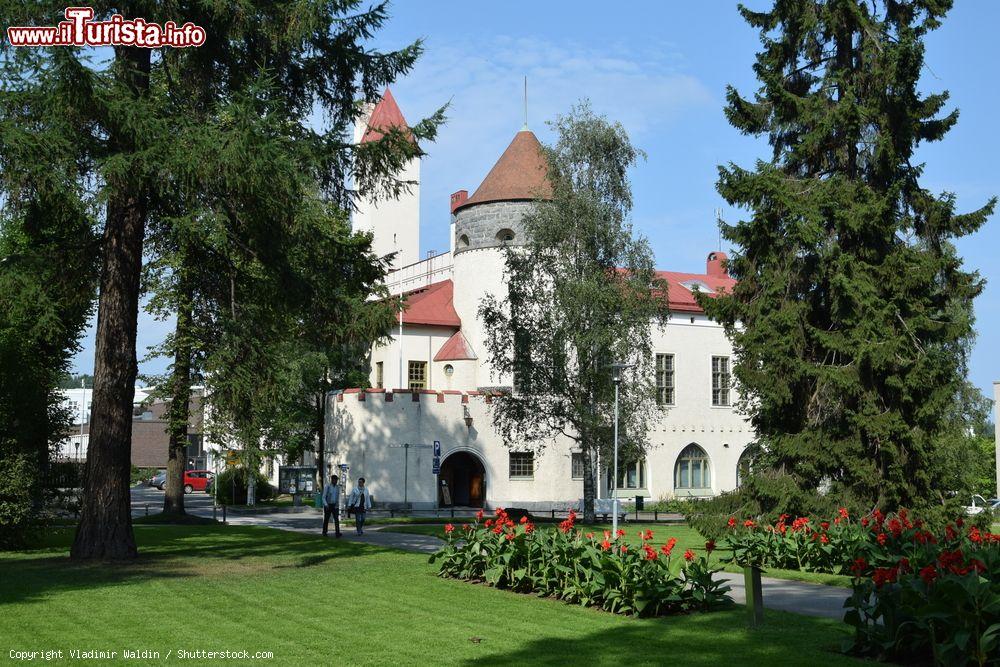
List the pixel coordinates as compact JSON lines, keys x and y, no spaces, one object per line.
{"x":394,"y":222}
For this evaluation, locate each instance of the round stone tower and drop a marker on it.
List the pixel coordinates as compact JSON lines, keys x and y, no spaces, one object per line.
{"x":486,"y":222}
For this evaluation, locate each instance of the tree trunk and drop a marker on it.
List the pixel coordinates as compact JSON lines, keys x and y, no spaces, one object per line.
{"x":180,"y":404}
{"x":589,"y":485}
{"x":105,"y":528}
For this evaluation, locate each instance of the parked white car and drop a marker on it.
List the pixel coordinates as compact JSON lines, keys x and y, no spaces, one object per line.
{"x":980,"y":504}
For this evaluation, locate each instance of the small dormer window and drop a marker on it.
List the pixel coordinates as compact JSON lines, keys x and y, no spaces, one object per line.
{"x":697,"y":286}
{"x":505,"y":235}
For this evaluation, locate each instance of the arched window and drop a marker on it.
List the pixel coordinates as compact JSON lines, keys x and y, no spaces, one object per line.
{"x":692,"y":470}
{"x":463,"y":241}
{"x":743,"y":467}
{"x":505,"y":235}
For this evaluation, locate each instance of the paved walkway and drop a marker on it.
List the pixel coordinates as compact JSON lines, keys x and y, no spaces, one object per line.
{"x":782,"y":594}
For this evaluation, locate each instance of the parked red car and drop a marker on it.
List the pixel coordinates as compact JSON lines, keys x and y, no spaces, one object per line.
{"x":196,"y":480}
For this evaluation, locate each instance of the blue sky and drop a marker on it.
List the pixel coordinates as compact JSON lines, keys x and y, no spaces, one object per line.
{"x":661,"y":69}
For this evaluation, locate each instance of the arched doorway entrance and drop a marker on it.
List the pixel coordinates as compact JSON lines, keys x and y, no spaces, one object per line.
{"x":464,"y":477}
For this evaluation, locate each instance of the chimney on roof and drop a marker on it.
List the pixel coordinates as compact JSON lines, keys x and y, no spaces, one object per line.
{"x":716,"y":264}
{"x":458,"y":199}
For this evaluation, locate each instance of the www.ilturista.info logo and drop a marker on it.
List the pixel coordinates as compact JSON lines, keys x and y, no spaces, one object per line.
{"x":80,"y":30}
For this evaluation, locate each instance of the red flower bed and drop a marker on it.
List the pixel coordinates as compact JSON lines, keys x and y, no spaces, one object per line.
{"x":566,"y":563}
{"x":917,"y":594}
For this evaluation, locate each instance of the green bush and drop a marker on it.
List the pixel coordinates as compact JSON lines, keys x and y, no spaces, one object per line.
{"x":17,"y":511}
{"x":580,"y":568}
{"x":142,"y":474}
{"x":232,"y":483}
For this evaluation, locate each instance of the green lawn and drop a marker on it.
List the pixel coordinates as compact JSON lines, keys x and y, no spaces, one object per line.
{"x":310,"y":600}
{"x":687,"y":538}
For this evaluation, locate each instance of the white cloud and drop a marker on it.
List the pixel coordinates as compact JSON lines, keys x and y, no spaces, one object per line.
{"x":645,"y":89}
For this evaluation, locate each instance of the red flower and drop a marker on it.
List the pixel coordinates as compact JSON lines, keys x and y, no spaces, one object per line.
{"x":669,"y":546}
{"x":524,"y":519}
{"x":648,"y":535}
{"x":710,"y":546}
{"x":605,"y":545}
{"x":497,"y":529}
{"x":529,"y":528}
{"x":825,"y":525}
{"x":896,"y":526}
{"x":904,"y":565}
{"x":842,"y":512}
{"x":624,"y":548}
{"x":732,"y":522}
{"x":824,"y":539}
{"x":489,"y":522}
{"x":864,"y":521}
{"x":884,"y":575}
{"x":479,"y":515}
{"x":567,"y":525}
{"x":882,"y":537}
{"x":510,"y":536}
{"x":465,"y":526}
{"x":748,"y":524}
{"x":859,"y":566}
{"x":928,"y":574}
{"x":950,"y":532}
{"x":959,"y":522}
{"x":650,"y":553}
{"x":800,"y":523}
{"x":619,"y":533}
{"x":688,"y":555}
{"x":607,"y":534}
{"x":975,"y":535}
{"x":590,"y":536}
{"x":448,"y":527}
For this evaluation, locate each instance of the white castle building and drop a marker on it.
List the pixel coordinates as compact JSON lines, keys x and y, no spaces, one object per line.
{"x":431,"y":382}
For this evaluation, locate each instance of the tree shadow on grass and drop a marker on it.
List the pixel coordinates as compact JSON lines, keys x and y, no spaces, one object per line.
{"x":717,"y":638}
{"x":167,"y":552}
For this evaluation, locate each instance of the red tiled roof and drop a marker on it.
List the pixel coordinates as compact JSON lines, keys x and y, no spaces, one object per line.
{"x":456,"y":348}
{"x":519,"y":174}
{"x":432,"y":305}
{"x":681,"y":298}
{"x":385,"y":115}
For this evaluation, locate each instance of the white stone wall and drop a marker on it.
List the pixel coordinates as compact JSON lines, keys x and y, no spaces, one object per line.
{"x":395,"y":222}
{"x":996,"y":425}
{"x":478,"y":272}
{"x":362,"y":430}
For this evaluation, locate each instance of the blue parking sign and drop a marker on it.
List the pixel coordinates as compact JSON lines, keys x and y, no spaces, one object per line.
{"x":437,"y":448}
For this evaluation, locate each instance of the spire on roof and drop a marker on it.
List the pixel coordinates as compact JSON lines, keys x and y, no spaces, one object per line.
{"x":385,"y":116}
{"x":521,"y":173}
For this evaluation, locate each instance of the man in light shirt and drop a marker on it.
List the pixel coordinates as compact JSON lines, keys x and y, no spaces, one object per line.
{"x":331,"y":505}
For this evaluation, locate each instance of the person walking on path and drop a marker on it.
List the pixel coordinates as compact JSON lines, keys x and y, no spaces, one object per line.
{"x":331,"y":505}
{"x":359,"y":502}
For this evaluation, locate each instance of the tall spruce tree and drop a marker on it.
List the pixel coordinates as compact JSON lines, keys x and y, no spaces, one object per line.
{"x":852,"y":313}
{"x":582,"y":294}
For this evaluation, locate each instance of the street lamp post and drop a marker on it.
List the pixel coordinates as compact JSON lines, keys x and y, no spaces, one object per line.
{"x":616,"y":377}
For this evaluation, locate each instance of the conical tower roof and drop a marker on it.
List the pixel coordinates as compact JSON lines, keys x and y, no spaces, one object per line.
{"x":385,"y":116}
{"x":520,"y":173}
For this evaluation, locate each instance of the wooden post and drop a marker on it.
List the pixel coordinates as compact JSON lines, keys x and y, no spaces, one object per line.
{"x":755,"y":601}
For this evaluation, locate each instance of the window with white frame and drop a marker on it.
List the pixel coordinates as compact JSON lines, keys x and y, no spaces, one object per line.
{"x":522,"y":465}
{"x":665,"y":379}
{"x":692,"y":470}
{"x":720,"y":381}
{"x":576,"y":465}
{"x":417,"y":374}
